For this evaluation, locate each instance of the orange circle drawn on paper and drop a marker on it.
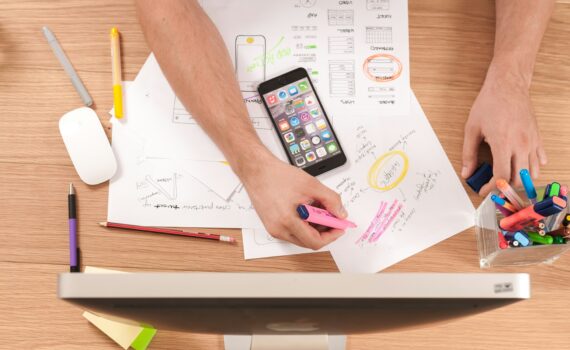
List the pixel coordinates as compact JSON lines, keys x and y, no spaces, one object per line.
{"x":382,"y":79}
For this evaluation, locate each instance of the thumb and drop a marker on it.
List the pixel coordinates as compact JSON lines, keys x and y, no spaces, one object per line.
{"x":330,"y":200}
{"x":471,"y":143}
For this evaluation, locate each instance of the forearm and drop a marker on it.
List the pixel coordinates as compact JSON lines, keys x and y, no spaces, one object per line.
{"x":194,"y":59}
{"x":520,"y":25}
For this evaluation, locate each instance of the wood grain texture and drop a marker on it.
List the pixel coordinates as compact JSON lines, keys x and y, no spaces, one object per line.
{"x":451,"y":45}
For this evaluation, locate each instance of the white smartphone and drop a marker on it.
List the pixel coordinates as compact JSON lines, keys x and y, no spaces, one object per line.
{"x":250,"y":61}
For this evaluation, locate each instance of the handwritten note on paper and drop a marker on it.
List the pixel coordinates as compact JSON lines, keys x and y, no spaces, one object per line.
{"x":408,"y":196}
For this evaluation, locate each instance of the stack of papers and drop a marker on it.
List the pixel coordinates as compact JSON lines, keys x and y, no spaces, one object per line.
{"x":398,"y":185}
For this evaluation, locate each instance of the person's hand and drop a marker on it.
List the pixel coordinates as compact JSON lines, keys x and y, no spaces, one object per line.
{"x":276,"y":189}
{"x":502,"y":116}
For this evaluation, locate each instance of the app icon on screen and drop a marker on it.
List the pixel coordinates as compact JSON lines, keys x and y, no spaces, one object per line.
{"x":282,"y":95}
{"x":332,"y":147}
{"x":321,"y":124}
{"x":310,"y":101}
{"x":315,"y":112}
{"x":294,"y":148}
{"x":271,"y":99}
{"x":289,"y":137}
{"x":289,"y":109}
{"x":305,"y":117}
{"x":299,"y":103}
{"x":311,"y":156}
{"x":310,"y":128}
{"x":294,"y":121}
{"x":300,"y":161}
{"x":283,"y":125}
{"x":315,"y":140}
{"x":305,"y":144}
{"x":303,"y":86}
{"x":326,"y":135}
{"x":321,"y":152}
{"x":299,"y":132}
{"x":293,"y":90}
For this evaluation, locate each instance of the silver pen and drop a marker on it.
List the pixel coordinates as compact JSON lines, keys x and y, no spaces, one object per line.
{"x":66,"y":64}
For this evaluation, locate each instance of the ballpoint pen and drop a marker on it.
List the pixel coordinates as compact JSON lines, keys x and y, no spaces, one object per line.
{"x":73,"y":246}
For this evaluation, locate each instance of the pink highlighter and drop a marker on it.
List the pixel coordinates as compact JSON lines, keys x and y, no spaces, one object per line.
{"x":322,"y":217}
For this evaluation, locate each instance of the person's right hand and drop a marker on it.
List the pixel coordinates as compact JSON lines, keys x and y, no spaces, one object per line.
{"x":276,"y":189}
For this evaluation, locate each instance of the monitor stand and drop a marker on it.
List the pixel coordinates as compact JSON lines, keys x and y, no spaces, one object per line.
{"x":285,"y":342}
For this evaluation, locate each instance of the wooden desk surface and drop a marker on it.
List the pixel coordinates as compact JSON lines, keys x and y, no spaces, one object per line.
{"x":451,"y":45}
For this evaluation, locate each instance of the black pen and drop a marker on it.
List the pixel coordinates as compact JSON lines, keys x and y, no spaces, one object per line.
{"x":73,"y":247}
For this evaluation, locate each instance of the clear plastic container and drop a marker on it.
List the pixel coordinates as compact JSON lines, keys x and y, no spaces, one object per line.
{"x":487,"y":226}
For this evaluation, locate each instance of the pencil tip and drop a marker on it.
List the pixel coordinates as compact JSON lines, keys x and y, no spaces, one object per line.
{"x":103,"y":223}
{"x":71,"y":189}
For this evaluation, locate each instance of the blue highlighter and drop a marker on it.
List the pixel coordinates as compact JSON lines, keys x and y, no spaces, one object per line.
{"x":528,"y":185}
{"x":480,"y":177}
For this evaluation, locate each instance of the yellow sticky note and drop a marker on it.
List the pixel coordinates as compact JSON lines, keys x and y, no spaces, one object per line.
{"x":124,"y":332}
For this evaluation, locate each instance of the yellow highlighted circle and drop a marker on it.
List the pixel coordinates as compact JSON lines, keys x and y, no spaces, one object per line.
{"x":380,"y":164}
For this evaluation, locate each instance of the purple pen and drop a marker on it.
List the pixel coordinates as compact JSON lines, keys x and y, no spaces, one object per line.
{"x":73,"y":248}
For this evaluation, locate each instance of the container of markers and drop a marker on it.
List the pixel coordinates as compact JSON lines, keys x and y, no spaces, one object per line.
{"x":522,"y":238}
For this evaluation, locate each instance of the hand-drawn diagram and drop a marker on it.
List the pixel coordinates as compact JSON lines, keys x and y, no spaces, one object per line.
{"x":378,"y":35}
{"x":373,"y":5}
{"x":382,"y":67}
{"x":341,"y":17}
{"x":341,"y":78}
{"x":250,"y":61}
{"x":167,"y":186}
{"x":388,"y":171}
{"x":341,"y":45}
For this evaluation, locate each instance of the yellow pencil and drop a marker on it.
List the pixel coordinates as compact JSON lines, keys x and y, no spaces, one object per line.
{"x":116,"y":57}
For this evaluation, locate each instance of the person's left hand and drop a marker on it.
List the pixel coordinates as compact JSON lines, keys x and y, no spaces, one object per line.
{"x":502,"y":116}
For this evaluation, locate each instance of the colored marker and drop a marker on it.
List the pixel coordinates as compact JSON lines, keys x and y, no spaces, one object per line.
{"x":558,"y":240}
{"x":542,"y":232}
{"x":554,"y":190}
{"x":536,"y":238}
{"x":522,"y":238}
{"x":562,"y":232}
{"x":322,"y":217}
{"x":529,"y":215}
{"x":503,"y":244}
{"x":566,"y":220}
{"x":116,"y":67}
{"x":503,"y":203}
{"x":546,"y":191}
{"x":528,"y":185}
{"x":510,"y":193}
{"x":514,"y":244}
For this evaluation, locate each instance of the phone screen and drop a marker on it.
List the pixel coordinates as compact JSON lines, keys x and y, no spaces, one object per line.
{"x":302,"y":124}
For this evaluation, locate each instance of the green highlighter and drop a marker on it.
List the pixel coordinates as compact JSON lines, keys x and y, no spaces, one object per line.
{"x":536,"y":238}
{"x":554,"y":190}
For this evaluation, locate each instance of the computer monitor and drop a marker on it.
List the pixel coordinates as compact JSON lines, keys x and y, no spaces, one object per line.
{"x":292,"y":304}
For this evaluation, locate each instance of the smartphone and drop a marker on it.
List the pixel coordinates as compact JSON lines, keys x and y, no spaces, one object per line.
{"x":250,"y":61}
{"x":301,"y":122}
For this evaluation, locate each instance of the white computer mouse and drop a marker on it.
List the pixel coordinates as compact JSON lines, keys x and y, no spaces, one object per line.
{"x":87,"y":145}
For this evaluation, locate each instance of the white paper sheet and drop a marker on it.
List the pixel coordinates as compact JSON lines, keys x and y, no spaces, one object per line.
{"x":156,"y":191}
{"x":356,"y":51}
{"x":401,"y":190}
{"x":410,"y":201}
{"x":169,"y":130}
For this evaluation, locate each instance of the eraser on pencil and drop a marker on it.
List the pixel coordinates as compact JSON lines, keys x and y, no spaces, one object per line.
{"x":480,"y":177}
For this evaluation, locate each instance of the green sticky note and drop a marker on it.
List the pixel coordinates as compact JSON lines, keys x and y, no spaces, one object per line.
{"x":144,"y":338}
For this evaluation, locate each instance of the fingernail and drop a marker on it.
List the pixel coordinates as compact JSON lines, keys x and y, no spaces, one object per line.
{"x":342,"y":212}
{"x":464,"y":171}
